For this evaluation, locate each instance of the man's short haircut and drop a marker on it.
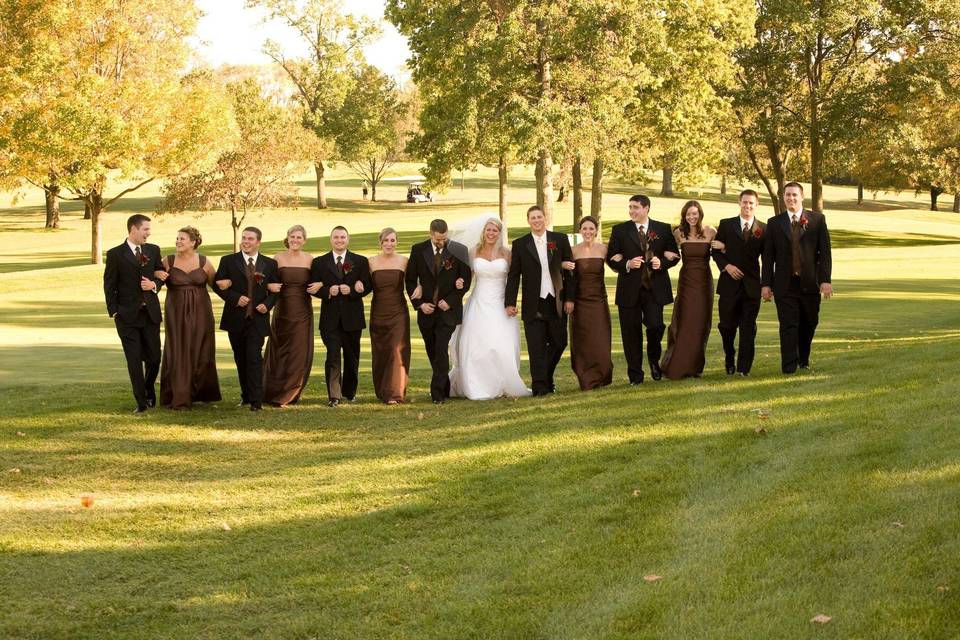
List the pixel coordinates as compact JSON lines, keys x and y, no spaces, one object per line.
{"x":254,"y":231}
{"x":642,"y":199}
{"x":535,"y":207}
{"x":749,"y":192}
{"x":339,"y":227}
{"x":793,"y":184}
{"x":136,"y":220}
{"x":438,"y":226}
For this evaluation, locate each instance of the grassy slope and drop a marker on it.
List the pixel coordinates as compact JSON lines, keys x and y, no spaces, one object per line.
{"x":521,"y":519}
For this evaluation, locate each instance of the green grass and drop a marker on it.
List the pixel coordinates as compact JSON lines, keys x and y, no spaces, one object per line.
{"x":530,"y":518}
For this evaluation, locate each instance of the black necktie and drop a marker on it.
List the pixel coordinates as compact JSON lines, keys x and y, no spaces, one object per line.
{"x":436,"y":270}
{"x":340,"y":266}
{"x":746,"y":231}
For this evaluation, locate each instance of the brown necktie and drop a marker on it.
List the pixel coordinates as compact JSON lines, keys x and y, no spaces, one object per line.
{"x":795,"y":244}
{"x":340,"y":266}
{"x":436,"y":271}
{"x":645,"y":247}
{"x":251,"y":277}
{"x":139,"y":254}
{"x":746,"y":231}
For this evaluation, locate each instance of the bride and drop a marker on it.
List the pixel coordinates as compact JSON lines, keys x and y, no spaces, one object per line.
{"x":485,"y":348}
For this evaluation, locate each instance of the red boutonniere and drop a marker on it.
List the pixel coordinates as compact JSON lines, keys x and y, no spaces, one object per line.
{"x":258,"y":277}
{"x":757,"y":232}
{"x":144,"y":259}
{"x":447,"y":264}
{"x":804,"y":220}
{"x":551,"y":246}
{"x":652,"y":235}
{"x":347,"y":267}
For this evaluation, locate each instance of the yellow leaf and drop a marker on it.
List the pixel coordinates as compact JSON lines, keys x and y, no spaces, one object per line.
{"x":652,"y":577}
{"x":821,"y":619}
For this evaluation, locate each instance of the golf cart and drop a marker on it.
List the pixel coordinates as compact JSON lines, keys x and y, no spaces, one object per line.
{"x":415,"y":193}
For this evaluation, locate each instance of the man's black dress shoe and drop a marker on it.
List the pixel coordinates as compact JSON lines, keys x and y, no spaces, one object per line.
{"x":140,"y":409}
{"x":335,"y":402}
{"x":151,"y":402}
{"x":655,"y":372}
{"x":256,"y":406}
{"x":744,"y":374}
{"x":438,"y":402}
{"x":730,"y":370}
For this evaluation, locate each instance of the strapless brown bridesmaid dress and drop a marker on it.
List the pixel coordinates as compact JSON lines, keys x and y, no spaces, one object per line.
{"x":188,"y":372}
{"x":389,"y":335}
{"x":289,"y":355}
{"x":692,"y":311}
{"x":590,"y":326}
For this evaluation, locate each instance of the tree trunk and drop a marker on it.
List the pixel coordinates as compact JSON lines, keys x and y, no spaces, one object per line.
{"x":94,"y":203}
{"x":816,"y":173}
{"x":462,"y":184}
{"x":956,"y":202}
{"x":537,"y":178}
{"x":667,"y":188}
{"x":235,"y":224}
{"x":859,"y":191}
{"x":86,"y":210}
{"x":545,"y":161}
{"x":502,"y":185}
{"x":373,"y":190}
{"x":723,"y":183}
{"x":52,"y":203}
{"x":577,"y":193}
{"x":934,"y":194}
{"x":545,"y":186}
{"x":321,"y":184}
{"x":596,"y":193}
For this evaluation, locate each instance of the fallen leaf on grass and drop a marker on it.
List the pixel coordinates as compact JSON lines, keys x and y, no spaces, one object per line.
{"x":21,"y":433}
{"x":761,"y":431}
{"x":943,"y":588}
{"x":652,"y":577}
{"x":898,"y":524}
{"x":821,"y":619}
{"x":225,"y":527}
{"x":14,"y":470}
{"x":637,"y":492}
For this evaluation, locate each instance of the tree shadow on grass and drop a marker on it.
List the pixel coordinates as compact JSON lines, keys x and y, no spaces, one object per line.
{"x":542,"y":530}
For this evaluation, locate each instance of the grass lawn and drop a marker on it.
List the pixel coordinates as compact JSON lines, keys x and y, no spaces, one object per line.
{"x":530,"y":518}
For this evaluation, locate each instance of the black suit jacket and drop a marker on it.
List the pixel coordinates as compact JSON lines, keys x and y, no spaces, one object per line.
{"x":420,"y":269}
{"x":816,"y":261}
{"x":233,"y":267}
{"x":625,"y":240}
{"x":121,"y":282}
{"x":344,"y":311}
{"x":743,"y":255}
{"x":525,"y":260}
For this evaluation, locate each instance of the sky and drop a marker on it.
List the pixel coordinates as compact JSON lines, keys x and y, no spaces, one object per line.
{"x":229,"y":33}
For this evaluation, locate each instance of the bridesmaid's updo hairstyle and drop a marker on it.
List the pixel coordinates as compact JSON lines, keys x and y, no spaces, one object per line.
{"x":586,"y":219}
{"x":386,"y":232}
{"x":293,"y":229}
{"x":194,"y":236}
{"x":685,"y":226}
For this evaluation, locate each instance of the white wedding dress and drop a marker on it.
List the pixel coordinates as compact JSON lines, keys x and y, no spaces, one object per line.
{"x":485,"y":348}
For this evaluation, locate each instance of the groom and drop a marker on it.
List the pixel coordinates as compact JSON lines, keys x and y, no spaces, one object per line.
{"x":548,"y":295}
{"x":131,"y":290}
{"x":436,"y":265}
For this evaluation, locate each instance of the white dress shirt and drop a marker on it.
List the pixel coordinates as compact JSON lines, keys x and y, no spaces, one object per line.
{"x":546,"y":282}
{"x":133,"y":250}
{"x":246,"y":259}
{"x":745,"y":223}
